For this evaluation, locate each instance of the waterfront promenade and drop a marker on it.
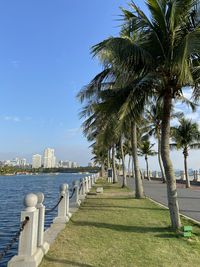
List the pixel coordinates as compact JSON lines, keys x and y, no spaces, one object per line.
{"x":113,"y":229}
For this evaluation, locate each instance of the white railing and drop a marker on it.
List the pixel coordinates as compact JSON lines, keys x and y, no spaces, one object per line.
{"x":32,"y":245}
{"x":195,"y":176}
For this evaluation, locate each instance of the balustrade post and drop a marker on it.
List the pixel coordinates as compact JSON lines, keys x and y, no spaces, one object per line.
{"x":41,"y":218}
{"x":83,"y":187}
{"x":92,"y":179}
{"x":68,"y":214}
{"x":197,"y":175}
{"x":86,"y":185}
{"x":29,"y":254}
{"x":76,"y":187}
{"x":62,"y":207}
{"x":182,"y":175}
{"x":156,"y":174}
{"x":90,"y":182}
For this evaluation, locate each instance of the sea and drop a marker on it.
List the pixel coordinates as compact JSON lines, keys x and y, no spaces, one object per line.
{"x":12,"y":192}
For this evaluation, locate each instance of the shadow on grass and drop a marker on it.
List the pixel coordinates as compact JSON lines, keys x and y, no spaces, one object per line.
{"x":99,"y":207}
{"x":72,"y":263}
{"x":116,"y":198}
{"x":113,"y":187}
{"x":169,"y":235}
{"x":161,"y":231}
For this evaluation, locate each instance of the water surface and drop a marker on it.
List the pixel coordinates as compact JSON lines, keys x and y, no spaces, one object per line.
{"x":12,"y":191}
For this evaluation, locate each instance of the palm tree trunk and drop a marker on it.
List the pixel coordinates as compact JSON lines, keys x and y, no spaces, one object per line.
{"x":159,"y":157}
{"x":139,"y":191}
{"x":102,"y":169}
{"x":129,"y":167}
{"x":185,"y":153}
{"x":142,"y":177}
{"x":108,"y":159}
{"x":147,"y":168}
{"x":168,"y":167}
{"x":124,"y":182}
{"x":133,"y":171}
{"x":113,"y":165}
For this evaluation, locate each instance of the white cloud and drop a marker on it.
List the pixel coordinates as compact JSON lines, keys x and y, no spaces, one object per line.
{"x":12,"y":118}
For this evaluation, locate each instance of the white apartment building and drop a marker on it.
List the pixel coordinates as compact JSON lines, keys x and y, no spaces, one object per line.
{"x":36,"y":161}
{"x":22,"y":162}
{"x":49,"y":158}
{"x":74,"y":165}
{"x":17,"y":162}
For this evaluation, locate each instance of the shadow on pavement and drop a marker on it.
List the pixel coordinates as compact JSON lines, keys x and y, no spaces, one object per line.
{"x":189,"y":210}
{"x":188,"y":197}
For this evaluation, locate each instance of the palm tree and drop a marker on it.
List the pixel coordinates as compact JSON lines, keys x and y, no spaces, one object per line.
{"x":186,"y":136}
{"x":145,"y":149}
{"x":99,"y":158}
{"x":157,"y":55}
{"x":153,"y":115}
{"x":110,"y":97}
{"x":102,"y":128}
{"x":165,"y":47}
{"x":121,"y":154}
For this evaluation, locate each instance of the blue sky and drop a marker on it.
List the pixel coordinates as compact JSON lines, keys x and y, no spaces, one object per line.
{"x":44,"y":61}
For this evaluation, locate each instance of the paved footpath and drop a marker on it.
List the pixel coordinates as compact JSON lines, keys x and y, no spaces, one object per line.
{"x":189,"y":199}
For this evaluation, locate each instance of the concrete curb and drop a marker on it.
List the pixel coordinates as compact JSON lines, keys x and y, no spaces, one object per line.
{"x":165,"y":207}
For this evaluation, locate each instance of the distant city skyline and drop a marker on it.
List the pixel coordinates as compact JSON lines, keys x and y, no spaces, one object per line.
{"x":42,"y":72}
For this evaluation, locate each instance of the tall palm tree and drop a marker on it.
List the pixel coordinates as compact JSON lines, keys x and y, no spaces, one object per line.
{"x":105,"y":90}
{"x":155,"y":55}
{"x":153,"y":114}
{"x":99,"y":157}
{"x":186,"y":136}
{"x":165,"y":47}
{"x":145,"y":149}
{"x":121,"y":153}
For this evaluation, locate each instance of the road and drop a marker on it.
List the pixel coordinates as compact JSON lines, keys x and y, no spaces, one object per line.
{"x":189,"y":199}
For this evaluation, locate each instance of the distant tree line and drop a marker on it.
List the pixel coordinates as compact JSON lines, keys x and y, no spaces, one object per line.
{"x":10,"y":170}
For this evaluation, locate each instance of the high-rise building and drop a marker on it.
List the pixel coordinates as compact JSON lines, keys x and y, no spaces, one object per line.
{"x":36,"y":161}
{"x":22,"y":162}
{"x":49,"y":158}
{"x":74,"y":165}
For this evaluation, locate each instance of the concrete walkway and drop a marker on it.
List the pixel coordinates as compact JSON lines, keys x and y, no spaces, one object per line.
{"x":189,"y":199}
{"x":112,"y":229}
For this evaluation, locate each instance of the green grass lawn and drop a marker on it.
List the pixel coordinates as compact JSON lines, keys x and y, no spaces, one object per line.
{"x":114,"y":229}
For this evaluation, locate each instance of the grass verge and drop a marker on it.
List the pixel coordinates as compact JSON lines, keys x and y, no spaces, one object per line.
{"x":115,"y":230}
